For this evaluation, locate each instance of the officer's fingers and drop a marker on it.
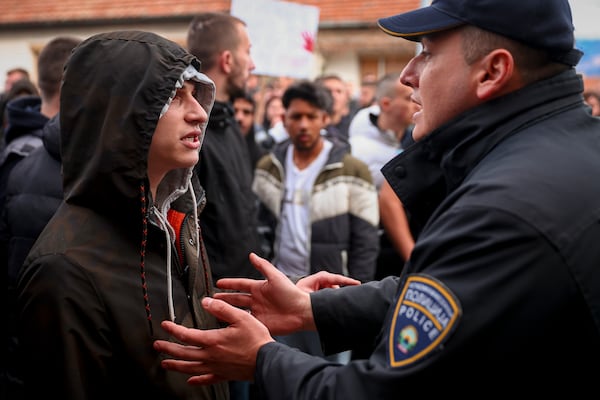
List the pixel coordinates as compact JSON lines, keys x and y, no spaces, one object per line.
{"x":185,"y":335}
{"x":224,"y":312}
{"x":267,"y":269}
{"x":243,"y":300}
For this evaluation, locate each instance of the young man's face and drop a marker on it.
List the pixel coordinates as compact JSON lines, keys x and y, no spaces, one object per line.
{"x":303,"y":122}
{"x":177,"y":139}
{"x":443,"y":84}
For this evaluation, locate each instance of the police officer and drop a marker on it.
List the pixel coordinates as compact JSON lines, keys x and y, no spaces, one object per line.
{"x":502,"y":290}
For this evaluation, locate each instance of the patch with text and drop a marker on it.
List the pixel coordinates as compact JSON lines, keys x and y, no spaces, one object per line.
{"x":425,"y":314}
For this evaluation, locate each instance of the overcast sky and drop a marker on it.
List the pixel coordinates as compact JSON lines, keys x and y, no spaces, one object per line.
{"x":586,"y":18}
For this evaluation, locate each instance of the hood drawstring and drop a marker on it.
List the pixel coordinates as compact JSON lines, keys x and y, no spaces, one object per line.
{"x":196,"y":223}
{"x":164,"y":224}
{"x":143,"y":255}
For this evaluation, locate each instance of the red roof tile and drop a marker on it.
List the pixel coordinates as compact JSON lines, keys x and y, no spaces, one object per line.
{"x":17,"y":12}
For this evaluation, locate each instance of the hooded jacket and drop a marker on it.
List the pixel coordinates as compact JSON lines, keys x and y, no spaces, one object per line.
{"x":112,"y":263}
{"x":22,"y":135}
{"x":24,"y":126}
{"x":502,"y":290}
{"x":33,"y":193}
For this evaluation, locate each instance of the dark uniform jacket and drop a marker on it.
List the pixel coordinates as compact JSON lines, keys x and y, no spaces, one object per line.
{"x":96,"y":285}
{"x":502,"y":291}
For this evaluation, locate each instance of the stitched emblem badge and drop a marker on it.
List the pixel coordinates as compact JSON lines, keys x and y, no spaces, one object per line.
{"x":425,"y":314}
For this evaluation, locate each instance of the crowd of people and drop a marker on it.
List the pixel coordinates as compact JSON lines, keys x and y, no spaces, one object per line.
{"x":171,"y":225}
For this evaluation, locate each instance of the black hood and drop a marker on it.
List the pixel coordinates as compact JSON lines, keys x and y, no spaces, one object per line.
{"x":114,"y":89}
{"x":23,"y":117}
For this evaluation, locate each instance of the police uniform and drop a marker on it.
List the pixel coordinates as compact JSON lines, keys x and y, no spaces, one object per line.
{"x":501,"y":295}
{"x":502,"y":290}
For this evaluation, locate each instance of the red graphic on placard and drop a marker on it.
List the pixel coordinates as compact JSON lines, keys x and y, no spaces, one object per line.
{"x":309,"y":41}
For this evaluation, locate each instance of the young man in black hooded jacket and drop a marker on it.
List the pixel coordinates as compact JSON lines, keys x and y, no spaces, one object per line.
{"x":123,"y":251}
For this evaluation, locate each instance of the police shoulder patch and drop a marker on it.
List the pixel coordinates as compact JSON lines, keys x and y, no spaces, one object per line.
{"x":425,"y":313}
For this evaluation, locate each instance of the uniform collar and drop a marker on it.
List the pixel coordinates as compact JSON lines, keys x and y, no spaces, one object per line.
{"x":426,"y":172}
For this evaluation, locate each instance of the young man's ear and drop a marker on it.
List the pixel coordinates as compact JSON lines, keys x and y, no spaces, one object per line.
{"x":495,"y":76}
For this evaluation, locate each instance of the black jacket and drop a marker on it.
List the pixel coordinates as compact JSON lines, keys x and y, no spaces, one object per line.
{"x":229,"y":221}
{"x":33,"y":193}
{"x":23,"y":135}
{"x":97,"y":283}
{"x":502,"y":291}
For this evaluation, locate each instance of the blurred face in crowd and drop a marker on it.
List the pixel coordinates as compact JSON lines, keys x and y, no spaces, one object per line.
{"x":367,"y":94}
{"x":399,"y":108}
{"x":11,"y":78}
{"x":242,"y":64}
{"x":274,"y":110}
{"x":443,"y":83}
{"x":303,"y":122}
{"x":244,"y":114}
{"x":339,"y":92}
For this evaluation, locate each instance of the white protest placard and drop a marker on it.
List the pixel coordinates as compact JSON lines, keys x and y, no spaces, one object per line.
{"x":283,"y":35}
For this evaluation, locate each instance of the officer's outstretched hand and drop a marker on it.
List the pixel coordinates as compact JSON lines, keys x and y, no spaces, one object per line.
{"x":275,"y":301}
{"x":215,"y":355}
{"x":323,"y":279}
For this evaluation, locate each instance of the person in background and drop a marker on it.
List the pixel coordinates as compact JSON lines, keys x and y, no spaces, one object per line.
{"x":230,"y":219}
{"x":380,"y":132}
{"x":318,"y":199}
{"x":27,"y":115}
{"x":244,"y":108}
{"x":592,"y":98}
{"x":30,"y":116}
{"x":367,"y":92}
{"x":32,"y":190}
{"x":12,"y":75}
{"x":21,"y":88}
{"x":273,"y":119}
{"x":377,"y":134}
{"x":123,"y":251}
{"x":501,"y":292}
{"x":341,"y":113}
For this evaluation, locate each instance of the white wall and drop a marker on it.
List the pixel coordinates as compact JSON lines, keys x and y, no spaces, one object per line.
{"x":17,"y":49}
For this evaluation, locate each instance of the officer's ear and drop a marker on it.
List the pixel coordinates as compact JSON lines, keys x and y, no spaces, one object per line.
{"x":495,"y":74}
